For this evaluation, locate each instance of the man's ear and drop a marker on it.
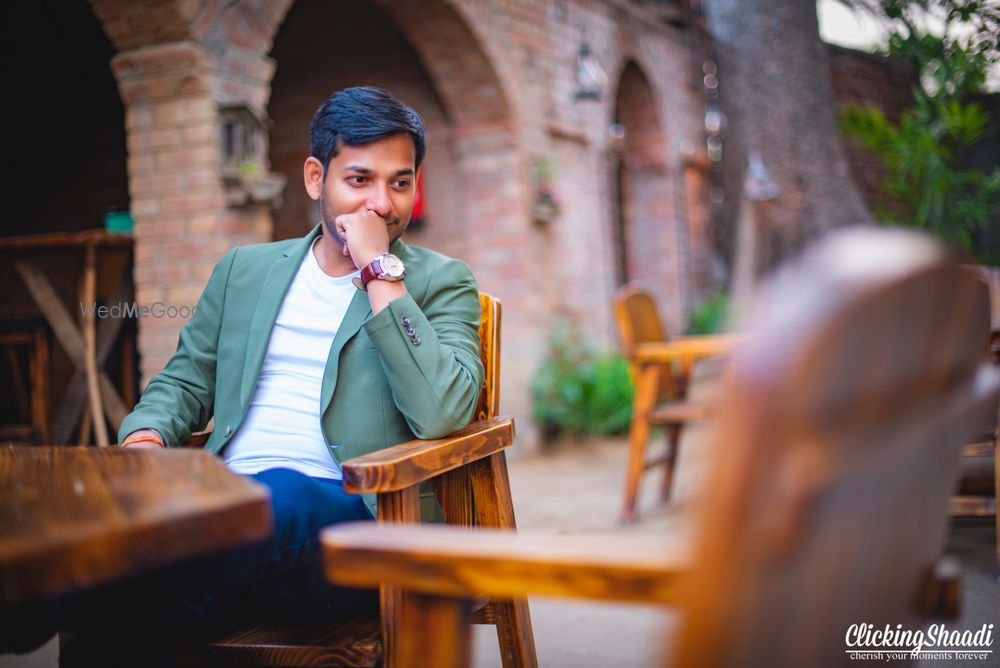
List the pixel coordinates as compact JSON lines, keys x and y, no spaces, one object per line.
{"x":312,"y":174}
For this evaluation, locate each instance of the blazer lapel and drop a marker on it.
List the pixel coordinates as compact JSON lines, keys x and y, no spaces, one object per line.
{"x":272,"y":295}
{"x":358,"y":312}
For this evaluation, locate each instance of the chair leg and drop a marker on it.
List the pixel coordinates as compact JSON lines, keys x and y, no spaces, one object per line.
{"x":494,"y":508}
{"x":40,"y":386}
{"x":670,"y":463}
{"x":435,"y":632}
{"x":647,"y":384}
{"x":403,"y":507}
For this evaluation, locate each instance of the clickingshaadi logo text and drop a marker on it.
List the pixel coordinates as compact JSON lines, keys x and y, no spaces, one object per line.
{"x":866,"y":642}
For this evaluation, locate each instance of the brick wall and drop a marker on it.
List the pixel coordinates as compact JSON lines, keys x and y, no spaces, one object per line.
{"x":861,"y":79}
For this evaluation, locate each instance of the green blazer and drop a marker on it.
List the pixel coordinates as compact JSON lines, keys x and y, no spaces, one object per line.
{"x":382,"y":386}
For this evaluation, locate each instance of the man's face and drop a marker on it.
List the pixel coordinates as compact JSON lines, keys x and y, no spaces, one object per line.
{"x":379,"y":177}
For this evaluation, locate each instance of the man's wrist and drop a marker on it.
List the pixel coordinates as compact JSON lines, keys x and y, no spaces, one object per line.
{"x":381,"y":292}
{"x":143,"y":436}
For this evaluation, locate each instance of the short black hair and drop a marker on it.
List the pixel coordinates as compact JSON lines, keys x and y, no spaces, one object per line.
{"x":359,"y":116}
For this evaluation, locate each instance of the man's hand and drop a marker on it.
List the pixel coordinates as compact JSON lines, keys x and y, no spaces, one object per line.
{"x":366,"y":236}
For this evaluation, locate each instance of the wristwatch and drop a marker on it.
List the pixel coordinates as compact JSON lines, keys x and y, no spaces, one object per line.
{"x":385,"y":267}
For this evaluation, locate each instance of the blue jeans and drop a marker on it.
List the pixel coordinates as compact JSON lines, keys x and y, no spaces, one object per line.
{"x":143,"y":620}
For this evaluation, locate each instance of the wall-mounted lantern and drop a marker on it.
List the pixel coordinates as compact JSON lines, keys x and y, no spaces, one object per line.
{"x":245,"y":172}
{"x":591,"y":79}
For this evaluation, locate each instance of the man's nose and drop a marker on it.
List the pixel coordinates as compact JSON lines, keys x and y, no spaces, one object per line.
{"x":380,"y":202}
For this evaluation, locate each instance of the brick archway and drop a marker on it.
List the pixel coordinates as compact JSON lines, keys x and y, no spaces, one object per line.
{"x":644,"y":227}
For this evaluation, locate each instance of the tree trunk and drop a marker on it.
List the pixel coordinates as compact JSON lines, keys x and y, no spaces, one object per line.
{"x":774,"y":85}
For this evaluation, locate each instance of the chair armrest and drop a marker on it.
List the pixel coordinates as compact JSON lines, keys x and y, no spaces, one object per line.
{"x":688,"y":348}
{"x":452,"y":561}
{"x":406,"y":464}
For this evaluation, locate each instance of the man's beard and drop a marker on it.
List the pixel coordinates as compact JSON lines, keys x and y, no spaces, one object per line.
{"x":331,"y":231}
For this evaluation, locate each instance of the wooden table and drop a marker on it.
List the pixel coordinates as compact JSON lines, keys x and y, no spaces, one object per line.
{"x":84,"y":344}
{"x":72,"y":517}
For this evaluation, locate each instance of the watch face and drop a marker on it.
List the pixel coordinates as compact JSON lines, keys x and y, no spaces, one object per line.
{"x":392,"y":266}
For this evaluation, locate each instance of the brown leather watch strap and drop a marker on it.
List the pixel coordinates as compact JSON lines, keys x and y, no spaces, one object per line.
{"x":370,"y":272}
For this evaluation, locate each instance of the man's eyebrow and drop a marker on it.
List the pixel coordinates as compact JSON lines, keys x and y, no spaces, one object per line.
{"x":358,"y":169}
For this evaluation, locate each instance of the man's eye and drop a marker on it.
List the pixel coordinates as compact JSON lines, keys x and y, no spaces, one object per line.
{"x":402,"y":184}
{"x":357,"y":180}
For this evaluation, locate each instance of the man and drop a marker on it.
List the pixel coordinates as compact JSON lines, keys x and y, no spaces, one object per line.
{"x":301,"y":368}
{"x":307,"y":352}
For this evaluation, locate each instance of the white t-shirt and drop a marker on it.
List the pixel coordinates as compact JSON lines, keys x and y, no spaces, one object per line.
{"x":282,"y":424}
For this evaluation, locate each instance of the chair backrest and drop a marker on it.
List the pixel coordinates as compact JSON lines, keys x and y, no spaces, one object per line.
{"x":639,"y":321}
{"x":488,"y":405}
{"x":992,"y":277}
{"x":839,"y":445}
{"x":636,"y":315}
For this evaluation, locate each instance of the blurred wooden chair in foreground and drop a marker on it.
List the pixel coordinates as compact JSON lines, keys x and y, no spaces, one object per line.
{"x":992,"y":277}
{"x":844,"y":417}
{"x":661,"y":370}
{"x":469,"y":473}
{"x":978,"y":491}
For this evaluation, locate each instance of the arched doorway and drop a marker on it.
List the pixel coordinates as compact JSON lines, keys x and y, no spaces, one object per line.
{"x":644,"y":225}
{"x":427,"y":53}
{"x":321,"y":48}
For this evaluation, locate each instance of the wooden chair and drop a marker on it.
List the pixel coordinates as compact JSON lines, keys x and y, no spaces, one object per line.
{"x":469,"y":472}
{"x":842,"y":425}
{"x":31,"y":399}
{"x":661,"y":370}
{"x":976,"y":503}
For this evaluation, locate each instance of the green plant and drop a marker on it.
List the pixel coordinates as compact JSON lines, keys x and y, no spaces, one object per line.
{"x":710,"y":316}
{"x":953,"y":43}
{"x":249,"y":168}
{"x":927,"y":188}
{"x":578,"y":391}
{"x":924,"y":180}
